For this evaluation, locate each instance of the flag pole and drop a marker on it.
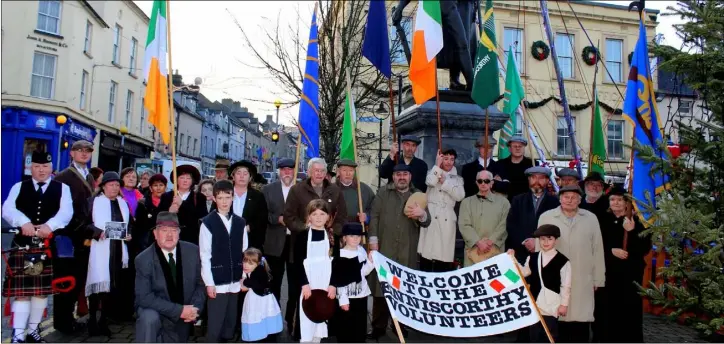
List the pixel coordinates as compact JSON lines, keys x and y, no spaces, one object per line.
{"x":392,"y":115}
{"x":437,"y":106}
{"x":535,"y":305}
{"x":593,"y":111}
{"x":485,"y":141}
{"x":526,"y":118}
{"x":296,"y":156}
{"x":171,"y":116}
{"x":354,"y":149}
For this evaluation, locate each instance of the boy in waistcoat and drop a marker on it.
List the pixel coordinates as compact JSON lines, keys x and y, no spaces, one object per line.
{"x":553,"y":294}
{"x":220,"y":245}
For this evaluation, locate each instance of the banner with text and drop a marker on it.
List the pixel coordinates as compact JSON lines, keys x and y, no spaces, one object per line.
{"x":482,"y":300}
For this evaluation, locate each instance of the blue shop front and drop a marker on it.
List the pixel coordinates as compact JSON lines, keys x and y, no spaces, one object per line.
{"x":25,"y":131}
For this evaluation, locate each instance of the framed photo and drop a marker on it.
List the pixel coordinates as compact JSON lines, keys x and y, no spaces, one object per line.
{"x":116,"y":230}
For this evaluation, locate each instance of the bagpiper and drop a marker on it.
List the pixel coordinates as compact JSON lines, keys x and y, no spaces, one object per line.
{"x":38,"y":206}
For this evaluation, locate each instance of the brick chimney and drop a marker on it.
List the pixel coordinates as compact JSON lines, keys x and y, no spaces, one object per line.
{"x":228,"y":102}
{"x":237,"y":106}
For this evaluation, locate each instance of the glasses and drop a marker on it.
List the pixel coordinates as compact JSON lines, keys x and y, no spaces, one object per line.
{"x":84,"y":150}
{"x":484,"y":181}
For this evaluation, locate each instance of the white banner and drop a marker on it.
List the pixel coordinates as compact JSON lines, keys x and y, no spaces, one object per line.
{"x":485,"y":299}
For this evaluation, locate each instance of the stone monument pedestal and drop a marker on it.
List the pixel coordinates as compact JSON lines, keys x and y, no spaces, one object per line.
{"x":463,"y":122}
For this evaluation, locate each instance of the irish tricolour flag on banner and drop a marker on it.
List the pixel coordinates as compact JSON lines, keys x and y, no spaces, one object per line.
{"x":426,"y":43}
{"x":155,"y":71}
{"x":509,"y":278}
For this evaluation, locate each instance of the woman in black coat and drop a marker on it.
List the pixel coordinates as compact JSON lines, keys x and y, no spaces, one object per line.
{"x":188,"y":204}
{"x":147,"y":211}
{"x":625,"y":252}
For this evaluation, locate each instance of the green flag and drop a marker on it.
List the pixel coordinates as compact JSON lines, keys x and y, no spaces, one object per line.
{"x":486,"y":87}
{"x":347,"y":145}
{"x":598,"y":142}
{"x":514,"y":94}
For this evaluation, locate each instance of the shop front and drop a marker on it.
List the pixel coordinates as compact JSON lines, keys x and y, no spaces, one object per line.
{"x":74,"y":131}
{"x":117,"y":152}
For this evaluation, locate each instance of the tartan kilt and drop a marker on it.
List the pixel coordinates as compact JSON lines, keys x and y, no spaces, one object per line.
{"x":19,"y":284}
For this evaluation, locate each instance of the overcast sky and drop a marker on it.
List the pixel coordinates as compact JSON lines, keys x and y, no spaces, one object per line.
{"x":206,"y":43}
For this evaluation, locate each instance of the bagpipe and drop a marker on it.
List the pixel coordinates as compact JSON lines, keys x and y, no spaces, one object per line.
{"x":34,"y":262}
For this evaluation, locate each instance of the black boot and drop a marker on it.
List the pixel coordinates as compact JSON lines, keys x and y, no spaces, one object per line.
{"x":376,"y":333}
{"x":34,"y":337}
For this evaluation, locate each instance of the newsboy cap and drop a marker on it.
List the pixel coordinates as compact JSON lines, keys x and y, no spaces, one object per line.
{"x":517,"y":138}
{"x":285,"y":163}
{"x":570,"y":188}
{"x":346,"y":162}
{"x":401,"y":168}
{"x":82,"y":144}
{"x":568,"y":172}
{"x":410,"y":138}
{"x":538,"y":170}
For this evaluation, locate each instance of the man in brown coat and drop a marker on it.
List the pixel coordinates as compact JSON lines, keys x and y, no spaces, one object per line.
{"x":295,"y":218}
{"x":81,"y":183}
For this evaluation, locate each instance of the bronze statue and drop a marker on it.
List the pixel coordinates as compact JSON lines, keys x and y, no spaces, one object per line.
{"x":459,"y":38}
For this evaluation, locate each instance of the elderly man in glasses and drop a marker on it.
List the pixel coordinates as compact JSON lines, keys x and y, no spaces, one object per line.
{"x":482,"y":218}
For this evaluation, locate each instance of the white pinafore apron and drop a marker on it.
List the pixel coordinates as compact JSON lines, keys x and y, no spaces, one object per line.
{"x":318,"y":266}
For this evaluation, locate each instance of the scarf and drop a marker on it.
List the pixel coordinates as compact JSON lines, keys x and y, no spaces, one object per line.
{"x":156,"y":201}
{"x":99,"y":270}
{"x":131,"y":198}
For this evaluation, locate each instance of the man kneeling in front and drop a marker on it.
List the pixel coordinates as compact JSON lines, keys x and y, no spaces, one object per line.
{"x":170,"y":293}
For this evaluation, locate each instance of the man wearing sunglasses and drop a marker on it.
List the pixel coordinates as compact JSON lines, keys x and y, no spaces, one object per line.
{"x":485,"y":161}
{"x":482,"y":219}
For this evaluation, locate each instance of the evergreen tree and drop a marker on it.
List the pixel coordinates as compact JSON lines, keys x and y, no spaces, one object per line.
{"x":690,"y":216}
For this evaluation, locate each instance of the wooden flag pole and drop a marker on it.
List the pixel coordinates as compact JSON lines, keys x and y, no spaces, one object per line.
{"x":172,"y":113}
{"x":296,"y":156}
{"x":535,"y":305}
{"x":437,"y":106}
{"x":525,"y":120}
{"x":486,"y":144}
{"x":354,"y":148}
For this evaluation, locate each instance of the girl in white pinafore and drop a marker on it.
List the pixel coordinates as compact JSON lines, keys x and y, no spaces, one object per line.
{"x":313,"y":256}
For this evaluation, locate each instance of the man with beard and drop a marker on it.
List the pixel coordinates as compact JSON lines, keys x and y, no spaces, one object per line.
{"x":485,"y":161}
{"x":418,"y":168}
{"x":513,"y":167}
{"x":395,"y":234}
{"x":347,"y":182}
{"x":221,"y":170}
{"x":81,"y":182}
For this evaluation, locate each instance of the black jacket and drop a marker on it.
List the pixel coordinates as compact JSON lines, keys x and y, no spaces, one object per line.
{"x":523,"y":221}
{"x":190,"y":213}
{"x":255,"y":214}
{"x":417,"y":166}
{"x":470,"y":172}
{"x":146,"y":214}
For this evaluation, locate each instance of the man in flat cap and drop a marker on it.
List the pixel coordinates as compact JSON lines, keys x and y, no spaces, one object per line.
{"x":485,"y":161}
{"x":395,"y":232}
{"x":568,"y":176}
{"x":347,"y":182}
{"x":38,"y":206}
{"x":513,"y":167}
{"x":418,"y":167}
{"x":581,"y":242}
{"x":276,"y":244}
{"x":71,"y":238}
{"x":221,"y":169}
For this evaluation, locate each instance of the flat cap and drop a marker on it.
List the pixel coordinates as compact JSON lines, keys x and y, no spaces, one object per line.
{"x":411,"y":138}
{"x":568,"y":172}
{"x":517,"y":138}
{"x":538,"y":170}
{"x":346,"y":162}
{"x":401,"y":168}
{"x":82,"y":144}
{"x":481,"y":141}
{"x":594,"y":177}
{"x":285,"y":163}
{"x":41,"y":158}
{"x":547,"y":230}
{"x":571,"y":188}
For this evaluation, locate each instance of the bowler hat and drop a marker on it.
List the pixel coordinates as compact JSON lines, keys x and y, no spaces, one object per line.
{"x":110,"y":176}
{"x":547,"y":230}
{"x":167,"y":219}
{"x":346,"y":162}
{"x":41,"y":158}
{"x":481,"y":141}
{"x":243,"y":163}
{"x":188,"y":169}
{"x":82,"y":144}
{"x":410,"y":138}
{"x":319,"y":307}
{"x":352,"y":228}
{"x":285,"y":162}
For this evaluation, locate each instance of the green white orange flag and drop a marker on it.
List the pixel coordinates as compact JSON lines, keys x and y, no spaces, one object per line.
{"x":347,"y":146}
{"x":486,"y":87}
{"x":598,"y":141}
{"x":514,"y":94}
{"x":426,"y":43}
{"x":155,"y":71}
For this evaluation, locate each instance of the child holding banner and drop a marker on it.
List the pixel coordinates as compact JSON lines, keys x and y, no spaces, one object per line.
{"x":550,"y":281}
{"x":312,"y":255}
{"x":350,"y":270}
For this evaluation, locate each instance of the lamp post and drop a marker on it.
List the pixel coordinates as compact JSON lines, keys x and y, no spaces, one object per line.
{"x":124,"y":131}
{"x":61,"y":120}
{"x":379,"y":115}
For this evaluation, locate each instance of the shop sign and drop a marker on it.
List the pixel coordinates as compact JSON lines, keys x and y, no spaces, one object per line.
{"x":83,"y":132}
{"x":41,"y":123}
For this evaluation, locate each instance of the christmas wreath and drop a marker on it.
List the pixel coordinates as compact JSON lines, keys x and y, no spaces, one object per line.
{"x":540,"y":50}
{"x":630,"y":58}
{"x":590,"y":55}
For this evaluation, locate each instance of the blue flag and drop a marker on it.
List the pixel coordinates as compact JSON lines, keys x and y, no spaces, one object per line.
{"x":309,"y":105}
{"x":376,"y":45}
{"x":640,"y":110}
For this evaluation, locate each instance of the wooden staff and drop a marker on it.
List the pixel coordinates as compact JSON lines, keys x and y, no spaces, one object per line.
{"x":354,"y":148}
{"x":437,"y":105}
{"x":486,"y":144}
{"x":525,"y":120}
{"x":535,"y":305}
{"x":170,"y":100}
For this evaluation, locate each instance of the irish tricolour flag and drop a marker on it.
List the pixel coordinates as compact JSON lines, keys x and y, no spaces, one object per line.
{"x":508,"y":279}
{"x":426,"y":43}
{"x":155,"y":71}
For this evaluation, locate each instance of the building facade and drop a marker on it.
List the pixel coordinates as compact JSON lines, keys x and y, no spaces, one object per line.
{"x":79,"y":59}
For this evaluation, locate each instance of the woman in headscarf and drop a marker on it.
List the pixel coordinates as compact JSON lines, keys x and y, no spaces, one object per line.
{"x":130,"y":193}
{"x":148,"y":209}
{"x":109,"y":258}
{"x":188,"y":204}
{"x":625,"y":252}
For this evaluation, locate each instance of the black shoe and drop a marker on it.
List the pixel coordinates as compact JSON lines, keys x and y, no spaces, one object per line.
{"x":457,"y":86}
{"x":72,"y":328}
{"x":376,"y":333}
{"x":15,"y":339}
{"x":34,"y":337}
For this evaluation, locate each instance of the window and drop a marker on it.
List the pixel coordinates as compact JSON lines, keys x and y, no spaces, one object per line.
{"x":218,"y":147}
{"x":397,"y":52}
{"x":196,"y":141}
{"x":117,"y":44}
{"x":88,"y":35}
{"x":49,"y":17}
{"x":565,"y":147}
{"x":519,"y":125}
{"x":83,"y":90}
{"x":188,"y":144}
{"x":564,"y":48}
{"x":143,"y":114}
{"x":614,"y":59}
{"x":181,"y":142}
{"x":42,"y":81}
{"x":132,"y":63}
{"x":510,"y":37}
{"x":129,"y":108}
{"x":615,"y":139}
{"x":685,"y":107}
{"x":112,"y":102}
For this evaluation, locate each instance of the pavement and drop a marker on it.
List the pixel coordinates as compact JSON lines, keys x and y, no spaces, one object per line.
{"x":656,"y":329}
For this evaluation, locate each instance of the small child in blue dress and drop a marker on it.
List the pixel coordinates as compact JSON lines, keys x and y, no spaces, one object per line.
{"x":261,"y":316}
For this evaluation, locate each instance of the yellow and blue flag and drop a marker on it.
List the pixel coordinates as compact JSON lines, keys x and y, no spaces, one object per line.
{"x":640,"y":110}
{"x":309,"y":105}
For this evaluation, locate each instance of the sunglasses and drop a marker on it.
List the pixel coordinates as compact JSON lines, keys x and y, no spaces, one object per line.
{"x":486,"y":181}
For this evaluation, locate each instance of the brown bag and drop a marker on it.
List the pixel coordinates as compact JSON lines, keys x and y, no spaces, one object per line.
{"x":476,"y":257}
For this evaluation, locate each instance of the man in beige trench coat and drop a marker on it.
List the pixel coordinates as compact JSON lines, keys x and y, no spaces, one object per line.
{"x":581,"y":242}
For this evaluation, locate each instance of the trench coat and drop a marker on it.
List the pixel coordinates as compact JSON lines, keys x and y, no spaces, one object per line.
{"x":581,"y":242}
{"x":484,"y":218}
{"x":437,"y":241}
{"x":397,"y":234}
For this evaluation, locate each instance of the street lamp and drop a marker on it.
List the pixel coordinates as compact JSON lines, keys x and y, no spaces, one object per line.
{"x":61,"y":120}
{"x":124,"y":131}
{"x":379,"y":115}
{"x":275,"y":134}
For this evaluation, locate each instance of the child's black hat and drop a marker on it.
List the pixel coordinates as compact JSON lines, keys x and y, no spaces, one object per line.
{"x":547,"y":230}
{"x":352,"y":228}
